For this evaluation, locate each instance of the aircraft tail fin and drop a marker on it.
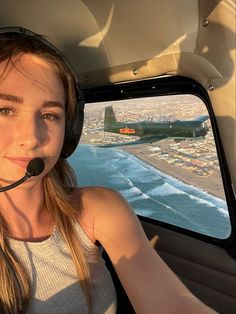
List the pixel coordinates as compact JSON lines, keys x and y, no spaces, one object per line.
{"x":109,"y":118}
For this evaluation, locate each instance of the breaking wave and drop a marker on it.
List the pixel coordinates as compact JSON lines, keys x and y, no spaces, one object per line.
{"x":151,"y":192}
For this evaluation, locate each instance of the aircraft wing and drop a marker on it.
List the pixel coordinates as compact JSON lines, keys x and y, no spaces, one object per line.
{"x":146,"y":139}
{"x":201,"y":118}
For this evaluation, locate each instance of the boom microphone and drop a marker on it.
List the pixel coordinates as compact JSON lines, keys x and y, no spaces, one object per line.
{"x":34,"y":168}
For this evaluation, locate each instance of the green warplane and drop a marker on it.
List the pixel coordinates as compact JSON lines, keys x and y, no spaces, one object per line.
{"x":150,"y":131}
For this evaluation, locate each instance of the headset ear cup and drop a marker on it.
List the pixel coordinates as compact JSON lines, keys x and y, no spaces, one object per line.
{"x":73,"y":131}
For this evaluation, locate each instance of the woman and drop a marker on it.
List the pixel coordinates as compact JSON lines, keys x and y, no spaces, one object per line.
{"x":49,"y":229}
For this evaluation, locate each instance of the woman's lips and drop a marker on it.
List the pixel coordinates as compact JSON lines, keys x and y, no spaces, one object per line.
{"x":20,"y":161}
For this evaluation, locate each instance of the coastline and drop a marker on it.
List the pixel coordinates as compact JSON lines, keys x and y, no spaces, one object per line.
{"x":211,"y":184}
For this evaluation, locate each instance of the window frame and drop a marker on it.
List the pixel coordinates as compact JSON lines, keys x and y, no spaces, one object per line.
{"x":166,"y":86}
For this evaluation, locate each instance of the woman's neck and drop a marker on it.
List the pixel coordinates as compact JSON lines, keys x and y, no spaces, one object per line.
{"x":23,"y":211}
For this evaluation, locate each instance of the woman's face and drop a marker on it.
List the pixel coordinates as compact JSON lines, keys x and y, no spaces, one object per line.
{"x":32,"y":115}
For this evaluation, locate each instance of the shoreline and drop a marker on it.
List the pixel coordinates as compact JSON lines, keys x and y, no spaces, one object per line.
{"x":212,"y":184}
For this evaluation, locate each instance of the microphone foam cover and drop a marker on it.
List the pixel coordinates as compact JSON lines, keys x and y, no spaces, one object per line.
{"x":35,"y":166}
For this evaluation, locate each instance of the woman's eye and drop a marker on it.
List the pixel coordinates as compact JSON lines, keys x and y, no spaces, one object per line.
{"x":50,"y":116}
{"x":5,"y":111}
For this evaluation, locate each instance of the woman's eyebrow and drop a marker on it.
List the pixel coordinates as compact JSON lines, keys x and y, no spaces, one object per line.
{"x":12,"y":98}
{"x":53,"y":103}
{"x":19,"y":100}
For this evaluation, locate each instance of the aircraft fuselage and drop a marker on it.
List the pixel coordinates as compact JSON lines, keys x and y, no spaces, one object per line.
{"x":176,"y":129}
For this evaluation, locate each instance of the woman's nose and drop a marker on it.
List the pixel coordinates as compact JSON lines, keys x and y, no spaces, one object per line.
{"x":28,"y":133}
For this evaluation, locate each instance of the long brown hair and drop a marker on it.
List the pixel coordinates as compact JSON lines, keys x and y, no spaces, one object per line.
{"x":57,"y":185}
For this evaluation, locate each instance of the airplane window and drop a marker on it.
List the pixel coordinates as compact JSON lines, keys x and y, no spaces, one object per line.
{"x":159,"y":152}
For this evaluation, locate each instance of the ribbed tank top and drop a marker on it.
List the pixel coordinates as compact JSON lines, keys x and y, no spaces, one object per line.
{"x":54,"y":284}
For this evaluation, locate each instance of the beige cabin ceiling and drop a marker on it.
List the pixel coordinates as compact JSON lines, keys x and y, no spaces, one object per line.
{"x":114,"y":36}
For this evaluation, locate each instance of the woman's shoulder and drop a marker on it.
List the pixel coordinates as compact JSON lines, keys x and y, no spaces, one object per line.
{"x":93,"y":197}
{"x":93,"y":204}
{"x":102,"y":211}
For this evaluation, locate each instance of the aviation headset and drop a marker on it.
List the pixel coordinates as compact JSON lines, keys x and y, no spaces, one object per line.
{"x":73,"y":128}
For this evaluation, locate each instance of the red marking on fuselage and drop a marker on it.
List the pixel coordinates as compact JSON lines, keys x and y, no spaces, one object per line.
{"x":127,"y":131}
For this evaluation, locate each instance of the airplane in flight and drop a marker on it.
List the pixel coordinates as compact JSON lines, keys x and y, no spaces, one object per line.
{"x":150,"y":131}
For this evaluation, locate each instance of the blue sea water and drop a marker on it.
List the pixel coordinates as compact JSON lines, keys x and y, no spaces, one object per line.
{"x":151,"y":192}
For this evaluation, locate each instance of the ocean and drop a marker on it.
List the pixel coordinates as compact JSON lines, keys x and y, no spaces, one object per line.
{"x":150,"y":192}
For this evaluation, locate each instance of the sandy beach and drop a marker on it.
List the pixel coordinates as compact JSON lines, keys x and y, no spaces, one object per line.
{"x":211,"y":184}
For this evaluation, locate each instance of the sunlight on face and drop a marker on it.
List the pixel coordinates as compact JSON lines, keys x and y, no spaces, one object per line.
{"x":32,"y":115}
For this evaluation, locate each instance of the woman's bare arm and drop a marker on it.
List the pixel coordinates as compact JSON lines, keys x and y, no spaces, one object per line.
{"x":149,"y":283}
